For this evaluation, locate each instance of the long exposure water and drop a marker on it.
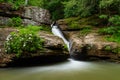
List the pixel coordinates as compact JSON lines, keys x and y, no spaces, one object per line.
{"x":56,"y":31}
{"x":69,"y":70}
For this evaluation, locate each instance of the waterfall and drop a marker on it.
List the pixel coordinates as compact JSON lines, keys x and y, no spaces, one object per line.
{"x":57,"y":32}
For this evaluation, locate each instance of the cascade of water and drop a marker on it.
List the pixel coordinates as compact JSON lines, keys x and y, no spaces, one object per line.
{"x":56,"y":31}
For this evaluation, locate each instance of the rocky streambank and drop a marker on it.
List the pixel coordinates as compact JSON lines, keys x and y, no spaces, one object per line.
{"x":90,"y":46}
{"x":53,"y":51}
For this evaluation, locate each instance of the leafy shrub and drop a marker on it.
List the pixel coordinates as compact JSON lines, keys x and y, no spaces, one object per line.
{"x":15,"y":22}
{"x":114,"y":38}
{"x":115,"y":20}
{"x":81,"y":8}
{"x":15,"y":3}
{"x":107,"y":31}
{"x":39,"y":3}
{"x":112,"y":33}
{"x":103,"y":16}
{"x":23,"y":42}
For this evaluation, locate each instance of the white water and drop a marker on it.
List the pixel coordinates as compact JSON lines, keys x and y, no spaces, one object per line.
{"x":56,"y":31}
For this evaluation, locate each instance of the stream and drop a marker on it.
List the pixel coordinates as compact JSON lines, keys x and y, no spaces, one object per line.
{"x":68,"y":70}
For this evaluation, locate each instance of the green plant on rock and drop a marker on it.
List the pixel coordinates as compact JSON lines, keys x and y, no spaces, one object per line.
{"x":107,"y":48}
{"x":116,"y":50}
{"x":107,"y":30}
{"x":111,"y":33}
{"x":81,"y":8}
{"x":23,"y":42}
{"x":85,"y":30}
{"x":115,"y":20}
{"x":15,"y":22}
{"x":103,"y":16}
{"x":74,"y":25}
{"x":65,"y":47}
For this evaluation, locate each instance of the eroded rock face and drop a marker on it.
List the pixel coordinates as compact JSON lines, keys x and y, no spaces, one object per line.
{"x":30,"y":15}
{"x":92,"y":46}
{"x":53,"y":50}
{"x":36,"y":16}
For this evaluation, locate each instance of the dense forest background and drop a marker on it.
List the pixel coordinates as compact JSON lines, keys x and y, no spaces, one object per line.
{"x":71,"y":8}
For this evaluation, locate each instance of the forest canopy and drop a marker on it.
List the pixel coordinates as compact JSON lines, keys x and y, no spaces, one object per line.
{"x":72,"y":8}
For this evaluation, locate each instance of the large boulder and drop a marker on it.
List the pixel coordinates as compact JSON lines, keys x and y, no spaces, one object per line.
{"x":36,"y":16}
{"x":93,"y":47}
{"x":29,"y":15}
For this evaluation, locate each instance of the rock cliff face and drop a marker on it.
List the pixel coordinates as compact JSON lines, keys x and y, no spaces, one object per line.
{"x":36,"y":16}
{"x":91,"y":46}
{"x":30,"y":15}
{"x":53,"y":51}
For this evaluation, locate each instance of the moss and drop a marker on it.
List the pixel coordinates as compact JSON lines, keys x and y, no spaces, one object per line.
{"x":116,"y":50}
{"x":74,"y":25}
{"x":69,"y":20}
{"x":85,"y":30}
{"x":78,"y":23}
{"x":65,"y":47}
{"x":113,"y":50}
{"x":107,"y":48}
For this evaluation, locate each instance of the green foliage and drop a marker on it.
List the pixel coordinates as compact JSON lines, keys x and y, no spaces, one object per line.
{"x":38,"y":28}
{"x":107,"y":48}
{"x":33,"y":28}
{"x":39,"y":3}
{"x":15,"y":3}
{"x":55,"y":7}
{"x":114,"y":38}
{"x":81,"y":8}
{"x":24,"y":42}
{"x":73,"y":22}
{"x":113,"y":50}
{"x":74,"y":25}
{"x":1,"y":0}
{"x":109,"y":4}
{"x":116,"y":50}
{"x":65,"y":47}
{"x":112,"y":32}
{"x":103,"y":16}
{"x":15,"y":22}
{"x":85,"y":30}
{"x":107,"y":31}
{"x":115,"y":20}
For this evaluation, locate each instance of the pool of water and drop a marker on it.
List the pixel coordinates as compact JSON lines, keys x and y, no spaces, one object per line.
{"x":69,"y":70}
